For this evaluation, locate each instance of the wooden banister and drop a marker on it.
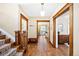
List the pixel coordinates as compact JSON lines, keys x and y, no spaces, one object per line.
{"x":21,"y":39}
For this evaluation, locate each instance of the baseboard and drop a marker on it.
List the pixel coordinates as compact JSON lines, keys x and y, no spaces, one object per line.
{"x":51,"y":43}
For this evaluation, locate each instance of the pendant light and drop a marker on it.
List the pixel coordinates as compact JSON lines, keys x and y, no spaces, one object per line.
{"x":42,"y":10}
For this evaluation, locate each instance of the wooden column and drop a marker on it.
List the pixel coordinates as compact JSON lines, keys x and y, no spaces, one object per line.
{"x":25,"y":39}
{"x":21,"y":39}
{"x":17,"y":37}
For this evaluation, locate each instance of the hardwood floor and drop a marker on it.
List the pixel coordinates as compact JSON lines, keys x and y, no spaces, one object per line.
{"x":44,"y":48}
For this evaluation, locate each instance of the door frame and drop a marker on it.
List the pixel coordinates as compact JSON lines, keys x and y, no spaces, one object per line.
{"x":22,"y":17}
{"x":43,"y":25}
{"x":43,"y":21}
{"x":67,"y":7}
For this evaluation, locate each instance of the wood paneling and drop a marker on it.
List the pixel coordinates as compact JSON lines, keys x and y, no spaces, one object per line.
{"x":21,"y":39}
{"x":67,"y":7}
{"x":43,"y":21}
{"x":17,"y":37}
{"x":33,"y":40}
{"x":63,"y":39}
{"x":23,"y":35}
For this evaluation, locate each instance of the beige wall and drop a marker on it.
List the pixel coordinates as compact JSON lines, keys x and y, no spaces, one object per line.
{"x":51,"y":30}
{"x":32,"y":29}
{"x":24,"y":25}
{"x":63,"y":24}
{"x":76,"y":30}
{"x":9,"y":18}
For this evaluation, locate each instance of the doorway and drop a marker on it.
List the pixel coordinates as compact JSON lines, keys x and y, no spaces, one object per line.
{"x":23,"y":23}
{"x":62,"y":32}
{"x":43,"y":28}
{"x":67,"y":7}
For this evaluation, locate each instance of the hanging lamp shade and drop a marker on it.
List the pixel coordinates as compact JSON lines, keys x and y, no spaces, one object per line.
{"x":42,"y":12}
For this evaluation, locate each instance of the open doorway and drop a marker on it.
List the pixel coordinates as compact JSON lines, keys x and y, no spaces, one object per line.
{"x":67,"y":7}
{"x":23,"y":23}
{"x":62,"y":32}
{"x":43,"y":28}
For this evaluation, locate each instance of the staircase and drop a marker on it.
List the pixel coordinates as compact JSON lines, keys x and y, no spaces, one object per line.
{"x":7,"y":47}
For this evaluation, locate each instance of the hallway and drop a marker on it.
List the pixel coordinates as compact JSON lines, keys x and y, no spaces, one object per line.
{"x":44,"y":48}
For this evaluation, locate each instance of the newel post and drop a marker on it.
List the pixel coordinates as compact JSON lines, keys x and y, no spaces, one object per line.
{"x":25,"y":39}
{"x":17,"y":37}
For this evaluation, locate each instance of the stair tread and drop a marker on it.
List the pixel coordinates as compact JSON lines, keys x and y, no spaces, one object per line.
{"x":16,"y":46}
{"x":21,"y":50}
{"x":4,"y":39}
{"x":7,"y":53}
{"x":4,"y":45}
{"x":2,"y":42}
{"x":19,"y":54}
{"x":10,"y":51}
{"x":2,"y":35}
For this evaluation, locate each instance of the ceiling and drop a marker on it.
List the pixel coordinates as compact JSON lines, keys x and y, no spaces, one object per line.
{"x":33,"y":9}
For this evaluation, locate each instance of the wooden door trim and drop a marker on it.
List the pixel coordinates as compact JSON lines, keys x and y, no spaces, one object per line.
{"x":25,"y":18}
{"x":67,"y":7}
{"x":43,"y":21}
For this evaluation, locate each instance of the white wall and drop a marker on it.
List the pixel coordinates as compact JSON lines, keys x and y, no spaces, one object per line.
{"x":51,"y":30}
{"x":32,"y":29}
{"x":24,"y":25}
{"x":76,"y":30}
{"x":9,"y":18}
{"x":64,"y":21}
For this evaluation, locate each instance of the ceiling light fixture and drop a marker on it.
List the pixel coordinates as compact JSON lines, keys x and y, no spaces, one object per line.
{"x":42,"y":11}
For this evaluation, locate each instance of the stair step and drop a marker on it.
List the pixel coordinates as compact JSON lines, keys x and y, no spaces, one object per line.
{"x":2,"y":42}
{"x":19,"y":54}
{"x":7,"y":40}
{"x":0,"y":32}
{"x":2,"y":36}
{"x":10,"y":52}
{"x":22,"y":51}
{"x":4,"y":48}
{"x":17,"y":47}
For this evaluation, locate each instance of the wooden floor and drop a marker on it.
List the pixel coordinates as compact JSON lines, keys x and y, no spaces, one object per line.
{"x":44,"y":48}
